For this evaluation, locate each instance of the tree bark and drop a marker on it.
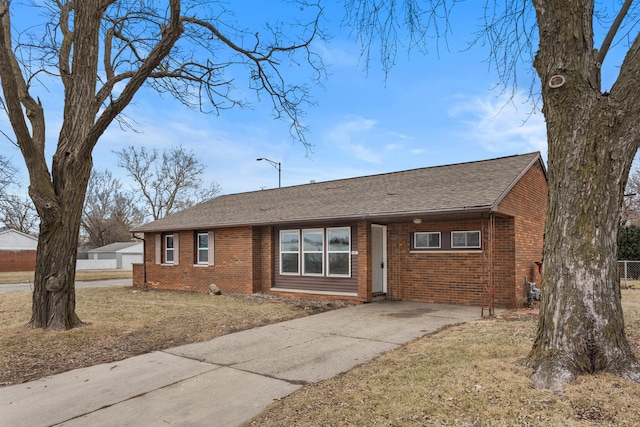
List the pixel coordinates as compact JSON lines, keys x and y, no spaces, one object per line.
{"x":592,"y":138}
{"x":53,"y":302}
{"x":59,"y":195}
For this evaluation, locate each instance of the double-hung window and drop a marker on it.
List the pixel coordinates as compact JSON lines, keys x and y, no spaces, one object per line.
{"x":465,"y":239}
{"x":290,"y":252}
{"x":168,"y":249}
{"x":313,"y":252}
{"x":202,"y":242}
{"x":339,"y":251}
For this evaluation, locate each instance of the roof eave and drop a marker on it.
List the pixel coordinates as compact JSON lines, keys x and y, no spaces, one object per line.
{"x":468,"y":210}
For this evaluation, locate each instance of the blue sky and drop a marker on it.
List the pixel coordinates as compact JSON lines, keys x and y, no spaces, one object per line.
{"x":431,"y":109}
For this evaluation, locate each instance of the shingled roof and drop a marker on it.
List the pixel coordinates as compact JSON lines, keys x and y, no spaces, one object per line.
{"x":464,"y":187}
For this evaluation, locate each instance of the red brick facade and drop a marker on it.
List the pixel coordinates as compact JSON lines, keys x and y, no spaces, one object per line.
{"x":527,"y":203}
{"x":17,"y":260}
{"x":246,"y":258}
{"x":232,"y":270}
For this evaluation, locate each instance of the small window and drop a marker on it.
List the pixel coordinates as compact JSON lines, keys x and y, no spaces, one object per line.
{"x":424,"y":240}
{"x":168,"y":249}
{"x":465,"y":239}
{"x":202,"y":250}
{"x":290,"y":252}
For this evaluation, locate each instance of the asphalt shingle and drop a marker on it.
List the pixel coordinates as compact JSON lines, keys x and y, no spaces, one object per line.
{"x":447,"y":188}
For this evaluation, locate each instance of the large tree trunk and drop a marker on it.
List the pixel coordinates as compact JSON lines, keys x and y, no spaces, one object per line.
{"x":581,"y":327}
{"x":592,"y":140}
{"x":53,"y":302}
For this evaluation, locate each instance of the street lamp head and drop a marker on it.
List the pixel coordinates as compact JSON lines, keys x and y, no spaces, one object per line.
{"x":276,"y":165}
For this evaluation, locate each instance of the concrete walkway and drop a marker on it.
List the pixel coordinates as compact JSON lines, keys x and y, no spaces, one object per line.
{"x":228,"y":380}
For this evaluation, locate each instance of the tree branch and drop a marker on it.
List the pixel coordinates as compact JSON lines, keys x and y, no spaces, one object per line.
{"x":170,"y":35}
{"x":16,"y":96}
{"x":606,"y":43}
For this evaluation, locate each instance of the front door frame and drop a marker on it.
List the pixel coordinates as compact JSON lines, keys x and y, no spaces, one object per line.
{"x":379,"y":266}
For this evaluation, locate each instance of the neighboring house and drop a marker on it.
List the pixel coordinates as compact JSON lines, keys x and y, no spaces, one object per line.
{"x":17,"y":250}
{"x":119,"y":255}
{"x":458,"y":234}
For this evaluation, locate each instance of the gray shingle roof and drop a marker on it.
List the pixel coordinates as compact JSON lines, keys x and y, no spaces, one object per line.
{"x":464,"y":186}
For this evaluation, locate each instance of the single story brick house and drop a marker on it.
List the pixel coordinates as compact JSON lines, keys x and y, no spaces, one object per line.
{"x":17,"y":251}
{"x":459,"y":234}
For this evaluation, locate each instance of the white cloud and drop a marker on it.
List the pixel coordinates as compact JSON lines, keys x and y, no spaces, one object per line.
{"x":355,"y":137}
{"x":501,"y":125}
{"x":338,"y":54}
{"x":365,"y":140}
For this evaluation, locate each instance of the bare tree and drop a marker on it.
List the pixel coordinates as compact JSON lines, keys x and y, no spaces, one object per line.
{"x":166,"y":182}
{"x":7,"y":176}
{"x":109,"y":213}
{"x":103,"y":52}
{"x":19,"y":214}
{"x":593,"y":135}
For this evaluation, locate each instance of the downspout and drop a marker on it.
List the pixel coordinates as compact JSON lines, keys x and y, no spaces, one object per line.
{"x":492,"y":232}
{"x":488,"y":271}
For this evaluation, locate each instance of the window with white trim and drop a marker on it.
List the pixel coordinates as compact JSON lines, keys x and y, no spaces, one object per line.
{"x":426,"y":240}
{"x":290,"y":252}
{"x":202,"y":249}
{"x":314,"y":257}
{"x":313,"y":252}
{"x":168,"y":249}
{"x":339,"y":251}
{"x":465,"y":239}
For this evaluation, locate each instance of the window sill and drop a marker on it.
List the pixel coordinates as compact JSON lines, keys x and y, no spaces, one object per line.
{"x":202,"y":265}
{"x":449,"y":251}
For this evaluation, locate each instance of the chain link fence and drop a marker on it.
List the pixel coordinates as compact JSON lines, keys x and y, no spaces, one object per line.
{"x":629,"y":273}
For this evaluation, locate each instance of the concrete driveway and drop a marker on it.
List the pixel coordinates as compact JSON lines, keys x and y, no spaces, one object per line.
{"x":228,"y":380}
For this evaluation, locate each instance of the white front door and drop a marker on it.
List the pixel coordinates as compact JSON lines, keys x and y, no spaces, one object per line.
{"x":378,"y":259}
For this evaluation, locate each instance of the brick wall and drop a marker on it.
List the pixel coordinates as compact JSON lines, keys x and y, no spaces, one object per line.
{"x":232,"y":270}
{"x":446,"y":277}
{"x":17,"y":260}
{"x":364,"y":261}
{"x":138,"y":275}
{"x":263,"y":254}
{"x":527,"y":203}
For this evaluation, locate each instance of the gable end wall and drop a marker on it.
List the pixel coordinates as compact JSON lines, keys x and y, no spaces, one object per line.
{"x":527,"y":204}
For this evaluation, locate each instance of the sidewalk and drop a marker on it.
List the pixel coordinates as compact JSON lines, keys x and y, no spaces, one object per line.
{"x":228,"y":380}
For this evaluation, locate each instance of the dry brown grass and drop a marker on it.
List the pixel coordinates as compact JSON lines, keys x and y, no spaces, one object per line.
{"x":81,"y":275}
{"x":123,"y":322}
{"x":468,"y":375}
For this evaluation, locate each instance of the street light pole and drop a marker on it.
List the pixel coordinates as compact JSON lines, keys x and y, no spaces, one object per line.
{"x":275,"y":165}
